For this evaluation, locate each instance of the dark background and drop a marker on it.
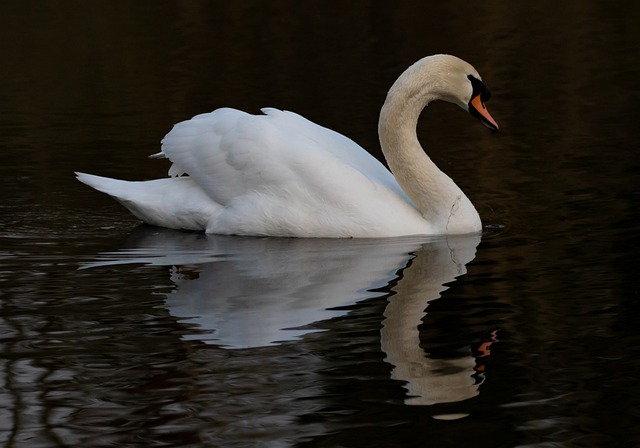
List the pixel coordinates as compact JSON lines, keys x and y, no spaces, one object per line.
{"x":93,"y":87}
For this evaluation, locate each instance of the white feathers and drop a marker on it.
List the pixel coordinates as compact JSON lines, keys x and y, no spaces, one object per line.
{"x":174,"y":203}
{"x":279,"y":174}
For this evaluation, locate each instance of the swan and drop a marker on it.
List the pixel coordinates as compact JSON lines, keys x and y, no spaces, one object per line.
{"x":279,"y":174}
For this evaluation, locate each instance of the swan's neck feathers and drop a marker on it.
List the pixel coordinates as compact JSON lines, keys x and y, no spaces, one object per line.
{"x":435,"y":194}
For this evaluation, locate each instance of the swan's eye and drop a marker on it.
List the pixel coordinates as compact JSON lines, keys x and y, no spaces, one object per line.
{"x":479,"y":89}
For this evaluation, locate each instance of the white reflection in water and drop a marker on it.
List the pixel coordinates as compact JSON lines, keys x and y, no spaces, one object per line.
{"x":428,"y":380}
{"x":253,"y":292}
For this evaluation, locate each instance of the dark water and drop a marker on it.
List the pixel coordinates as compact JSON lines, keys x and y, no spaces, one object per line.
{"x":112,"y":334}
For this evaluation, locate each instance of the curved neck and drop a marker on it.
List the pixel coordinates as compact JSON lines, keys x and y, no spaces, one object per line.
{"x":436,"y":196}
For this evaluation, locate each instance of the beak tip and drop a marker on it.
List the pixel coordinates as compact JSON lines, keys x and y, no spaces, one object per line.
{"x":491,"y":125}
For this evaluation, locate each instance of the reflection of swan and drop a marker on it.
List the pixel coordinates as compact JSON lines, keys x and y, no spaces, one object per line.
{"x":279,"y":174}
{"x":270,"y":290}
{"x":250,"y":292}
{"x":428,"y":380}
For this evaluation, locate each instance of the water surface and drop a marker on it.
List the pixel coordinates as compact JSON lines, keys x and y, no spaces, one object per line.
{"x":113,"y":333}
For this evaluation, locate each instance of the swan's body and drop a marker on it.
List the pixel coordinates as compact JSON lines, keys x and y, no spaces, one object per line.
{"x":279,"y":174}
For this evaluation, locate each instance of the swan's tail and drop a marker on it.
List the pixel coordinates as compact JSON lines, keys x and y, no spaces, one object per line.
{"x":113,"y":187}
{"x":176,"y":203}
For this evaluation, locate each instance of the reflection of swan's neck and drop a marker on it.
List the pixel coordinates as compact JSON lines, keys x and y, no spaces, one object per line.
{"x":437,"y":197}
{"x":428,"y":380}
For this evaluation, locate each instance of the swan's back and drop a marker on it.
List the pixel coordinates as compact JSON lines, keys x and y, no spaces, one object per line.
{"x":281,"y":174}
{"x":230,"y":152}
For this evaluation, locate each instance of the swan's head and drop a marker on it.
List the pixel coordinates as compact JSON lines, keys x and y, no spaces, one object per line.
{"x":462,"y":85}
{"x":447,"y":78}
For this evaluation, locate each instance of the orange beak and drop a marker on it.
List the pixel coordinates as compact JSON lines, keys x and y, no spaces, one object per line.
{"x":480,"y":111}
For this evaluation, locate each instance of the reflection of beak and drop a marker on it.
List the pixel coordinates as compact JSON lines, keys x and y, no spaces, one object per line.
{"x":479,"y":110}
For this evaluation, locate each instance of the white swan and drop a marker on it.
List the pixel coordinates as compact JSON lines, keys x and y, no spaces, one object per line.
{"x":279,"y":174}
